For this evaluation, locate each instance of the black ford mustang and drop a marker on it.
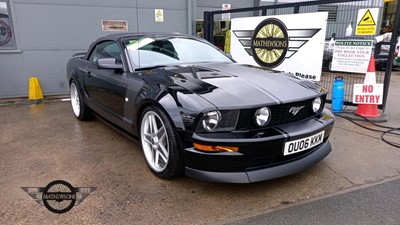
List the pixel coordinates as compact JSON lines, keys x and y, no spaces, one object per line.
{"x":198,"y":112}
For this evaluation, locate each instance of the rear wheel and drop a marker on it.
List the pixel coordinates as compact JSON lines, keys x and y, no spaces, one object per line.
{"x":81,"y":111}
{"x":160,"y":145}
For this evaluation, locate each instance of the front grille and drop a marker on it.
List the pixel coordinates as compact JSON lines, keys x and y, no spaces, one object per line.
{"x":280,"y":114}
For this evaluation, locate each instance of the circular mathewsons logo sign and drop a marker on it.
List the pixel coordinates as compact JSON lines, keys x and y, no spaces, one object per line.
{"x":59,"y":196}
{"x":269,"y":43}
{"x":5,"y":33}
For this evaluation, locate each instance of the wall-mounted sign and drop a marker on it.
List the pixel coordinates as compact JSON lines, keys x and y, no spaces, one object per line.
{"x":290,"y":43}
{"x":159,"y":15}
{"x":352,"y":55}
{"x":366,"y":21}
{"x":226,"y":16}
{"x":114,"y":25}
{"x":368,"y":94}
{"x":7,"y":36}
{"x":5,"y":33}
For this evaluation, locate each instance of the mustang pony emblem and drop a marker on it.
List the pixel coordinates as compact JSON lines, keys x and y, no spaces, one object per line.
{"x":295,"y":110}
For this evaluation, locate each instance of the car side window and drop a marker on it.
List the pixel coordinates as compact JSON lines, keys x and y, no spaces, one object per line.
{"x":107,"y":49}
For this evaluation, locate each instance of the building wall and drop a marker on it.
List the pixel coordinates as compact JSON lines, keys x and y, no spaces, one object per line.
{"x":215,"y":5}
{"x":48,"y":32}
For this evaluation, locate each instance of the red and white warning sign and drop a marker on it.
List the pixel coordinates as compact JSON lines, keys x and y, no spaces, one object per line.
{"x":368,"y":94}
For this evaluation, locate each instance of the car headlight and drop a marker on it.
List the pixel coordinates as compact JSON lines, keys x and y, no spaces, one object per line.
{"x":317,"y":104}
{"x":211,"y":120}
{"x":218,"y":121}
{"x":262,"y":116}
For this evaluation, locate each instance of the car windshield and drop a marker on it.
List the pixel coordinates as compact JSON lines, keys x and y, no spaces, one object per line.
{"x":149,"y":52}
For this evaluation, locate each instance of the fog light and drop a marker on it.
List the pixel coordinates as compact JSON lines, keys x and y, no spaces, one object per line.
{"x":210,"y":148}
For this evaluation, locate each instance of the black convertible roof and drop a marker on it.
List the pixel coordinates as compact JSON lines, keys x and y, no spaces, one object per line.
{"x":118,"y":36}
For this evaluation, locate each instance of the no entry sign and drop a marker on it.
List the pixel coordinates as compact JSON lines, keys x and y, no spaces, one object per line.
{"x":368,"y":94}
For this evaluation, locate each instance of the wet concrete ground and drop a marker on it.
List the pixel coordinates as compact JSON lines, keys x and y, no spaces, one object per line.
{"x":42,"y":143}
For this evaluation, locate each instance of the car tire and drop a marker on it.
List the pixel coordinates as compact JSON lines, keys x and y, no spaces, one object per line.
{"x":80,"y":110}
{"x":160,"y":145}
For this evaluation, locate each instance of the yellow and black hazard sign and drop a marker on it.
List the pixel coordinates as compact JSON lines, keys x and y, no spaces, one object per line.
{"x":366,"y":24}
{"x":367,"y":19}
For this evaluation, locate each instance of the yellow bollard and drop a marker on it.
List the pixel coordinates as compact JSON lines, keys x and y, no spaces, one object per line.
{"x":35,"y":92}
{"x":227,"y":47}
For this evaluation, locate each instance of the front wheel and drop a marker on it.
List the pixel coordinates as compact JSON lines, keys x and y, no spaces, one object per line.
{"x":160,"y":145}
{"x":81,"y":111}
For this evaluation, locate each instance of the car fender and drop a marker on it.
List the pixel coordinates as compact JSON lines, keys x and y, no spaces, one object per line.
{"x":167,"y":104}
{"x":181,"y":108}
{"x":171,"y":108}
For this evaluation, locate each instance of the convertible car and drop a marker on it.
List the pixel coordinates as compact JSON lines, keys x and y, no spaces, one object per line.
{"x":197,"y":112}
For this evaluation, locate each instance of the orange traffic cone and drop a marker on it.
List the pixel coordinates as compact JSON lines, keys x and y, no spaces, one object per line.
{"x":369,"y":110}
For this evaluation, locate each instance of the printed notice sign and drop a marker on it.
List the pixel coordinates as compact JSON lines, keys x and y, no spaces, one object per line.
{"x":351,"y":55}
{"x":226,"y":16}
{"x":114,"y":25}
{"x":368,"y":94}
{"x":366,"y":21}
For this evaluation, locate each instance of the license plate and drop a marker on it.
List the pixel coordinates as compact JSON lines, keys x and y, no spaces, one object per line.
{"x":299,"y":145}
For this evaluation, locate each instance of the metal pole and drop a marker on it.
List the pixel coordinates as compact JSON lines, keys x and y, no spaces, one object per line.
{"x":256,"y":4}
{"x":212,"y":28}
{"x":389,"y":65}
{"x":206,"y":25}
{"x":264,"y":12}
{"x":296,"y":9}
{"x":285,"y":5}
{"x":189,"y":17}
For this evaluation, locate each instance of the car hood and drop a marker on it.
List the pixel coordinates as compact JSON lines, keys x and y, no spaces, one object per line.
{"x":231,"y":85}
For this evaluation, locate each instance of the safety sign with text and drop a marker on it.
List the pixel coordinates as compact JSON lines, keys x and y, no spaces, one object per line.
{"x":159,"y":15}
{"x":366,"y":21}
{"x":226,"y":16}
{"x":368,"y":94}
{"x":351,"y":55}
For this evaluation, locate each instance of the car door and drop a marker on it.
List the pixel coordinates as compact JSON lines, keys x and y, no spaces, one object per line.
{"x":106,"y":87}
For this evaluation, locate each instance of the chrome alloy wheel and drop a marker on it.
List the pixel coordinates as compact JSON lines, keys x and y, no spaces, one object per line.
{"x":154,"y":141}
{"x":75,"y":100}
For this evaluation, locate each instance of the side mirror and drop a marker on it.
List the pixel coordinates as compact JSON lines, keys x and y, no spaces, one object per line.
{"x":108,"y":63}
